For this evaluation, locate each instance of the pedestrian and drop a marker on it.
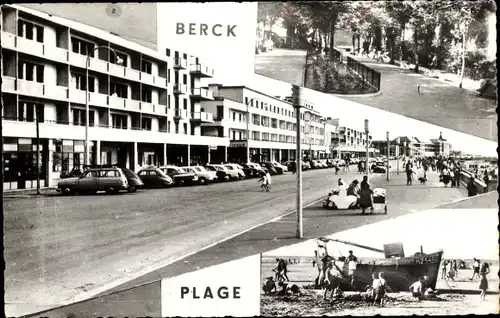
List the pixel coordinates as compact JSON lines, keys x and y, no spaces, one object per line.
{"x":409,"y":174}
{"x":352,"y":262}
{"x":483,"y":284}
{"x":360,"y":167}
{"x":380,"y":290}
{"x":475,"y":266}
{"x":445,"y":176}
{"x":471,"y":188}
{"x":457,"y":175}
{"x":443,"y":269}
{"x":263,"y":185}
{"x":365,"y":196}
{"x":268,"y":181}
{"x":455,"y":267}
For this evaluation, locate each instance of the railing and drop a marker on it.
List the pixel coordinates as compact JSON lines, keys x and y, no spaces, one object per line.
{"x":481,"y":186}
{"x":202,"y":92}
{"x":180,"y":63}
{"x":181,"y":113}
{"x":202,"y":69}
{"x":368,"y":75}
{"x":204,"y":117}
{"x":180,"y":88}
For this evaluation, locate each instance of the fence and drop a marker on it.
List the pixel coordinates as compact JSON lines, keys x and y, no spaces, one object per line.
{"x":481,"y":186}
{"x":369,"y":76}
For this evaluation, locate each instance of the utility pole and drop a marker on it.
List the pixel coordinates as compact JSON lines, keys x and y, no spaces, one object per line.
{"x":388,"y":153}
{"x":37,"y":114}
{"x":248,"y":131}
{"x":298,"y":159}
{"x":367,"y":163}
{"x":397,"y":153}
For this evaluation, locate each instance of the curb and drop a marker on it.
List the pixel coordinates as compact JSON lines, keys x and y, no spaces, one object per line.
{"x":358,"y":95}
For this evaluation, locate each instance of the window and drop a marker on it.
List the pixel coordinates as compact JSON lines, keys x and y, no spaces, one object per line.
{"x":146,"y":123}
{"x":184,"y":102}
{"x":30,"y":31}
{"x":142,"y":173}
{"x":184,"y":56}
{"x":89,"y":174}
{"x":119,"y":121}
{"x":168,"y":101}
{"x":80,"y":82}
{"x":110,"y":174}
{"x":146,"y":67}
{"x":239,"y":133}
{"x":234,"y":135}
{"x":147,"y":95}
{"x":30,"y":72}
{"x":168,"y":75}
{"x":79,"y":117}
{"x":240,"y":117}
{"x":27,"y":111}
{"x":121,"y":90}
{"x":185,"y":128}
{"x":234,"y":116}
{"x":168,"y":52}
{"x":184,"y":79}
{"x":82,"y":47}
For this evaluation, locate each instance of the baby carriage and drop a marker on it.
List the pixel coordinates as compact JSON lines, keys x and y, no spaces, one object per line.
{"x":379,"y":199}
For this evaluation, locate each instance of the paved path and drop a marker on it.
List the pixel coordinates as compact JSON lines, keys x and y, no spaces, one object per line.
{"x":317,"y":222}
{"x":439,"y":103}
{"x":284,"y":65}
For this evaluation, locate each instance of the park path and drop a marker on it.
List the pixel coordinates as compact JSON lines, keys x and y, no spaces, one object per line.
{"x":430,"y":100}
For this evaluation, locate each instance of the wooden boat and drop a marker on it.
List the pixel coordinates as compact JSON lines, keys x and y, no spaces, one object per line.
{"x":400,"y":271}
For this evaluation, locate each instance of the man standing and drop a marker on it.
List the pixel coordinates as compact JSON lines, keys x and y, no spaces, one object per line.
{"x":352,"y":262}
{"x":457,"y":173}
{"x":476,"y":266}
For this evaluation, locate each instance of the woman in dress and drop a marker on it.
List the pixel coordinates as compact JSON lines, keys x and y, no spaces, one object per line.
{"x":365,"y":197}
{"x":483,"y":284}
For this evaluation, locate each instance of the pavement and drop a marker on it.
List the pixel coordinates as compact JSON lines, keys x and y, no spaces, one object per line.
{"x":440,"y":103}
{"x":64,"y":256}
{"x":284,"y":65}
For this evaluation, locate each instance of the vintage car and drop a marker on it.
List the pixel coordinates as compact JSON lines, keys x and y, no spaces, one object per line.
{"x":111,"y":180}
{"x":179,"y":176}
{"x":153,"y":177}
{"x":204,"y":176}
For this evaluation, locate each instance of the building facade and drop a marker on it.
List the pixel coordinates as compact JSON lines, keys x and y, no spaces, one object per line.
{"x":415,"y":147}
{"x":349,"y":142}
{"x":262,"y":127}
{"x":144,"y":106}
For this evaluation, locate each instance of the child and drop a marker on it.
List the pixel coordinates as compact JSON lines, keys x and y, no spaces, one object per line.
{"x":381,"y":289}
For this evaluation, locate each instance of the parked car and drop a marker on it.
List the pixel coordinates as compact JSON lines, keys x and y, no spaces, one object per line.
{"x":134,"y":182}
{"x":204,"y":176}
{"x":236,"y":167}
{"x":72,"y":174}
{"x":221,"y":173}
{"x":253,"y":170}
{"x":228,"y":174}
{"x":111,"y":180}
{"x":279,"y":165}
{"x":271,"y":168}
{"x":378,"y":169}
{"x":306,"y":165}
{"x":179,"y":176}
{"x":153,"y":177}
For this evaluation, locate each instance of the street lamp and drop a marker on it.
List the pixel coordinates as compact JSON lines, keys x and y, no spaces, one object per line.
{"x":298,"y":159}
{"x":87,"y":122}
{"x":398,"y":141}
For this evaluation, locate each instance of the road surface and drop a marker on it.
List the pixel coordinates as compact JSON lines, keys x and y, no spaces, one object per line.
{"x":63,"y":249}
{"x":284,"y":65}
{"x":431,"y":100}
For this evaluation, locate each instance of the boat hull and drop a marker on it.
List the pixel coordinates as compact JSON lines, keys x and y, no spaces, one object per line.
{"x":399,"y":273}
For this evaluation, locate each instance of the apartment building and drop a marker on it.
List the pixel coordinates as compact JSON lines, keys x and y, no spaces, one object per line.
{"x":346,"y":141}
{"x":144,"y":105}
{"x":262,"y":127}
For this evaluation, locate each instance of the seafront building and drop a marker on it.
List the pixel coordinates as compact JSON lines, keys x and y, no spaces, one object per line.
{"x":146,"y":107}
{"x":414,"y":146}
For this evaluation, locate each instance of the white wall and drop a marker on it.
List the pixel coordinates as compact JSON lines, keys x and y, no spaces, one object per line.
{"x":154,"y":96}
{"x":49,"y":36}
{"x":50,"y":74}
{"x":155,"y":124}
{"x":154,"y":69}
{"x":224,"y":53}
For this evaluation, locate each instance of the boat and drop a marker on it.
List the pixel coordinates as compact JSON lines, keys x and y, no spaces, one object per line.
{"x":400,"y":271}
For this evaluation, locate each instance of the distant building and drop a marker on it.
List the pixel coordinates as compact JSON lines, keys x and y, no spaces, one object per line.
{"x":413,"y":146}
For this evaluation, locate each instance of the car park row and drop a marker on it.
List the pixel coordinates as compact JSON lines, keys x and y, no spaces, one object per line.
{"x":112,"y":179}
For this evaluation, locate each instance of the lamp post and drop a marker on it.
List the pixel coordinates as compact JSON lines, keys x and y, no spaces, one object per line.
{"x":367,"y":131}
{"x":37,"y":114}
{"x":388,"y":153}
{"x":298,"y":159}
{"x":87,"y":122}
{"x":248,"y":132}
{"x":397,"y":153}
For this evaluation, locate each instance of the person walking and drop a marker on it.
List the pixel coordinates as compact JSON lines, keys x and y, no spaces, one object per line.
{"x":475,"y":266}
{"x":483,"y":284}
{"x":445,"y":176}
{"x":352,"y":263}
{"x":457,"y":173}
{"x":471,"y":188}
{"x":365,"y":196}
{"x":443,"y":269}
{"x":409,"y":174}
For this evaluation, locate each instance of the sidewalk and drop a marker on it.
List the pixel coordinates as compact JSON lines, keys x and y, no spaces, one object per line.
{"x":438,"y":103}
{"x":284,"y":65}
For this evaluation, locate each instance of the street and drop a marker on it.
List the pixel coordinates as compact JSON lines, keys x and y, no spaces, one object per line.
{"x":283,"y":65}
{"x":63,"y":249}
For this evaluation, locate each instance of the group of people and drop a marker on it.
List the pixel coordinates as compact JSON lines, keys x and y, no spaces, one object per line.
{"x":361,"y":190}
{"x":281,"y":277}
{"x":449,"y":269}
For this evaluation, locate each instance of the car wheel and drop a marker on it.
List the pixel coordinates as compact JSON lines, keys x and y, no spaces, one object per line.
{"x":66,"y":190}
{"x":132,"y":189}
{"x":242,"y":177}
{"x":180,"y":182}
{"x":110,"y":190}
{"x":202,"y":181}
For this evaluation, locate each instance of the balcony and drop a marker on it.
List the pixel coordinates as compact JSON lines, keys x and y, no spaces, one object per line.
{"x":202,"y":94}
{"x":132,"y":105}
{"x":201,"y":70}
{"x":180,"y":114}
{"x":202,"y":117}
{"x":56,"y":92}
{"x":116,"y":70}
{"x":8,"y":40}
{"x":117,"y":102}
{"x":77,"y":59}
{"x":98,"y":65}
{"x":30,"y":88}
{"x":180,"y":89}
{"x":30,"y":46}
{"x":180,"y":64}
{"x":132,"y":74}
{"x":147,"y":78}
{"x":56,"y":53}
